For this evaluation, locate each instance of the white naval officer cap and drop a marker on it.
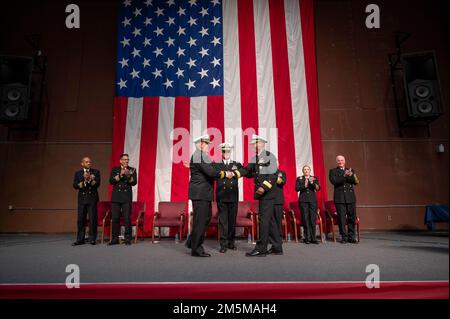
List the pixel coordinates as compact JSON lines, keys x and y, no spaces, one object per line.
{"x":204,"y":138}
{"x":226,"y":146}
{"x":257,"y":138}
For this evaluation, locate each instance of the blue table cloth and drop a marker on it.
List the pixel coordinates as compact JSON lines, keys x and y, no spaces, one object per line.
{"x":435,"y":213}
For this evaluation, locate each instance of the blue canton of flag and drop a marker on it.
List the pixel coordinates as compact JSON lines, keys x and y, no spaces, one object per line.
{"x":169,"y":48}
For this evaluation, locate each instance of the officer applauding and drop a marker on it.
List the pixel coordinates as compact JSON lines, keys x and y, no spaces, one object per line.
{"x":122,"y":178}
{"x":344,"y":179}
{"x":308,"y":185}
{"x":87,"y":181}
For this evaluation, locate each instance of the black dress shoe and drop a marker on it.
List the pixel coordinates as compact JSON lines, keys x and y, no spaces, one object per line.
{"x":77,"y":243}
{"x":200,"y":254}
{"x":93,"y":242}
{"x":128,"y":242}
{"x":255,"y":253}
{"x":306,"y":242}
{"x":314,"y":242}
{"x":232,"y":247}
{"x":222,"y":250}
{"x":271,"y":251}
{"x":113,"y":243}
{"x":352,"y":241}
{"x":343,"y":241}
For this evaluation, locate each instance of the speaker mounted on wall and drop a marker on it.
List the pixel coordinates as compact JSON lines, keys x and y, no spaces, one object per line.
{"x":422,"y":88}
{"x":15,"y":88}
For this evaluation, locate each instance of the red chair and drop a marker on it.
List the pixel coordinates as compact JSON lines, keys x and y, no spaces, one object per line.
{"x":169,"y":214}
{"x":214,"y":222}
{"x":137,"y":219}
{"x":296,"y":220}
{"x":245,"y":217}
{"x":284,"y":223}
{"x":103,"y":216}
{"x":332,"y":219}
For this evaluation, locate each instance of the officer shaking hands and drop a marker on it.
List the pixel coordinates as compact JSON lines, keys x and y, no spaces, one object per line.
{"x":263,"y":169}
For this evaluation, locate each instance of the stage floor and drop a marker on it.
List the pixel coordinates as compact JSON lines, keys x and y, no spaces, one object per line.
{"x":37,"y":258}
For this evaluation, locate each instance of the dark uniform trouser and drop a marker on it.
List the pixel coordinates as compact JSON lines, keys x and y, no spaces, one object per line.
{"x":278,"y":217}
{"x":268,"y":227}
{"x":309,"y":216}
{"x":346,"y":211}
{"x":202,"y":217}
{"x":227,"y":222}
{"x":116,"y":209}
{"x":83,"y":211}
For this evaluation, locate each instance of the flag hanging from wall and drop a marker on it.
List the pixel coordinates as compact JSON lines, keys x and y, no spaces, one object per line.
{"x":228,"y":68}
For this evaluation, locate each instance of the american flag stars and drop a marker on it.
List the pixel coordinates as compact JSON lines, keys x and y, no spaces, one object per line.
{"x":170,"y":48}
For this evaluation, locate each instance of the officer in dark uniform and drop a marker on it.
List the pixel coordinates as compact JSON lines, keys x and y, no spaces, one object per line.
{"x":201,"y":193}
{"x":123,"y":178}
{"x":263,"y":168}
{"x":86,"y":181}
{"x":279,"y":202}
{"x":227,"y":198}
{"x":344,"y":179}
{"x":308,"y":185}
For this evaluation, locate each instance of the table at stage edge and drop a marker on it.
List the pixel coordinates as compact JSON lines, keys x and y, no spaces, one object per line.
{"x":435,"y":214}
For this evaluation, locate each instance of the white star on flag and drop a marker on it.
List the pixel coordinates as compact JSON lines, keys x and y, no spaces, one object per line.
{"x":190,"y":84}
{"x":144,"y":83}
{"x":134,"y":74}
{"x":124,"y":62}
{"x":122,"y":84}
{"x":168,"y":83}
{"x":214,"y":83}
{"x":157,"y":73}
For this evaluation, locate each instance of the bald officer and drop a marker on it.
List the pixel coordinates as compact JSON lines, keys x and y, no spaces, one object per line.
{"x":227,"y":198}
{"x":201,"y":193}
{"x":343,"y":179}
{"x":87,"y":181}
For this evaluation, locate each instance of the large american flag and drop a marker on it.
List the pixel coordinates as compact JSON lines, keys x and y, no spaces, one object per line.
{"x":228,"y":68}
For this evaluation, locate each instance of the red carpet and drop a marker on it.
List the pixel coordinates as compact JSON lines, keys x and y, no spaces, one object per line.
{"x":284,"y":290}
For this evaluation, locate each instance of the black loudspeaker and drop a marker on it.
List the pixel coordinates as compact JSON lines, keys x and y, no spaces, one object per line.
{"x":15,"y":84}
{"x":421,"y":80}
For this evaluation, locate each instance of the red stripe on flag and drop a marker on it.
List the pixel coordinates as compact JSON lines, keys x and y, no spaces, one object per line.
{"x":118,"y":140}
{"x":215,"y":124}
{"x":147,"y":160}
{"x":282,"y":94}
{"x":309,"y":51}
{"x":248,"y":79}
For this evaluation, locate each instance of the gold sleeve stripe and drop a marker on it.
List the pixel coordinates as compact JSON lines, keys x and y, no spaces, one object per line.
{"x":80,"y":184}
{"x":117,"y":178}
{"x":222,"y":174}
{"x":267,"y":184}
{"x":238,"y":174}
{"x":356,"y":179}
{"x":279,"y":180}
